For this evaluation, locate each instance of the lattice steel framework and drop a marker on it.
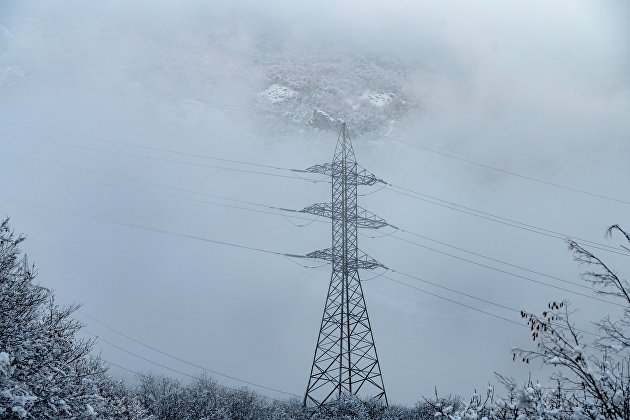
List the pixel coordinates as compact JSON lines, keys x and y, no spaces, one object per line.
{"x":345,"y":358}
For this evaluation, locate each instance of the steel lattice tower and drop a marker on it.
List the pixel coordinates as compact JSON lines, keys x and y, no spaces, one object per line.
{"x":345,"y":358}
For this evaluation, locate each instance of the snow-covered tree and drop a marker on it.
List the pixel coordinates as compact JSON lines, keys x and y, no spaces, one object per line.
{"x":46,"y":372}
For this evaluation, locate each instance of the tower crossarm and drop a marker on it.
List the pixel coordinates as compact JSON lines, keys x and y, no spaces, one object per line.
{"x":365,"y":218}
{"x":363,"y":176}
{"x":363,"y":260}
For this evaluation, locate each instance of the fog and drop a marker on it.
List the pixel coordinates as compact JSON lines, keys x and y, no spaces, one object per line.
{"x":537,"y":89}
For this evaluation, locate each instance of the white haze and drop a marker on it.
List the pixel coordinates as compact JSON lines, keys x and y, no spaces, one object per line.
{"x":539,"y":88}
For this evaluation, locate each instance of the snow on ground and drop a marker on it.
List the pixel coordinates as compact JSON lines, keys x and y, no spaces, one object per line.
{"x":276,"y":93}
{"x":323,"y":121}
{"x":377,"y":99}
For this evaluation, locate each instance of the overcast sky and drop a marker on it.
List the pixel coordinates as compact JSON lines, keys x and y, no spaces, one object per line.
{"x":534,"y":88}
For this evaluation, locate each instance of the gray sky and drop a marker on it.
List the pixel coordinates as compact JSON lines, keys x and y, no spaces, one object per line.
{"x":536,"y":88}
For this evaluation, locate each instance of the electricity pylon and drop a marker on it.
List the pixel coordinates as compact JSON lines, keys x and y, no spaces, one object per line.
{"x":345,"y":358}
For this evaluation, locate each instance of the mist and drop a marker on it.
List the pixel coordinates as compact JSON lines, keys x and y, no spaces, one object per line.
{"x":537,"y":89}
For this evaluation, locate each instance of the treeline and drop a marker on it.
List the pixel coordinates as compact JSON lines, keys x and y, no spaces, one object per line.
{"x":203,"y":398}
{"x":48,"y":372}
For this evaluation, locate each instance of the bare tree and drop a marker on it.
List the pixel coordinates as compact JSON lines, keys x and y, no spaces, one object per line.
{"x":591,"y":377}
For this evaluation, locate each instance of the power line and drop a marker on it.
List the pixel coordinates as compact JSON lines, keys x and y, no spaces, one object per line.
{"x":477,"y":309}
{"x":126,"y":178}
{"x":102,"y":340}
{"x":490,"y":302}
{"x":274,"y":213}
{"x":454,"y":290}
{"x":492,"y":259}
{"x":140,"y":146}
{"x":473,"y":253}
{"x":136,"y":226}
{"x":179,"y":359}
{"x":280,"y":209}
{"x":120,"y":367}
{"x":391,"y":234}
{"x":499,"y":219}
{"x":491,"y":217}
{"x":277,"y":253}
{"x":456,"y":302}
{"x":401,"y":239}
{"x":397,"y":229}
{"x":309,"y":220}
{"x":104,"y":140}
{"x":502,"y":220}
{"x":182,"y":373}
{"x":142,"y":227}
{"x":510,"y":273}
{"x":291,"y":259}
{"x":529,"y":178}
{"x":381,"y":274}
{"x":153,"y":229}
{"x":179,"y":162}
{"x":312,"y":220}
{"x":277,"y":390}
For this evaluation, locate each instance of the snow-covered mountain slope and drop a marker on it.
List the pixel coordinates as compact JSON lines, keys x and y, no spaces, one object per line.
{"x":305,"y":86}
{"x":316,"y":89}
